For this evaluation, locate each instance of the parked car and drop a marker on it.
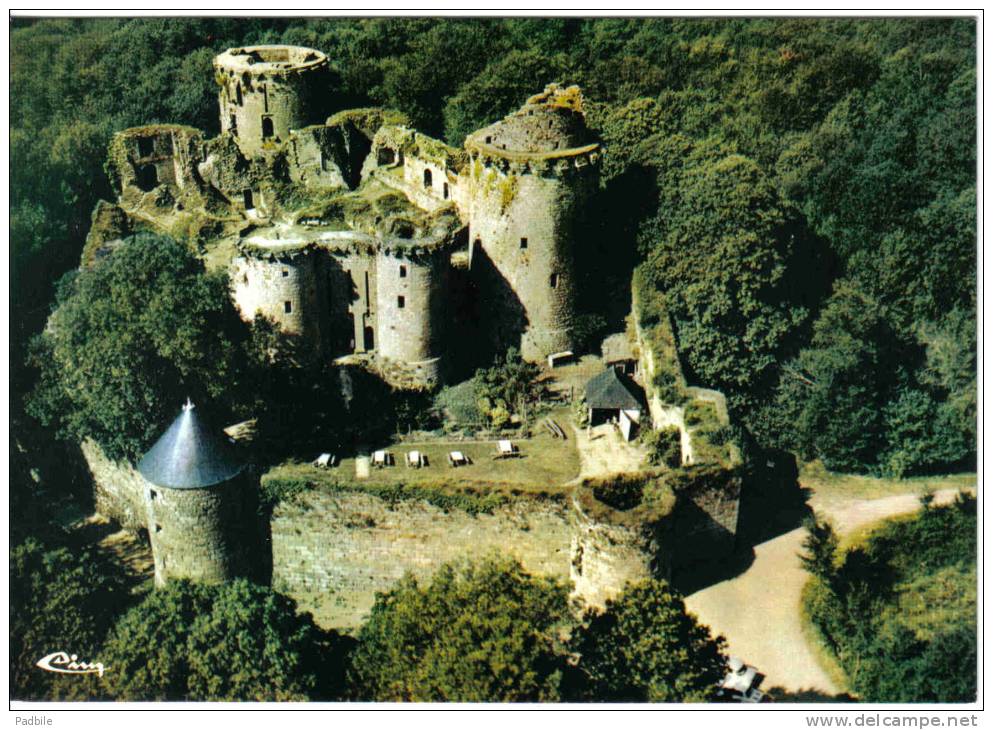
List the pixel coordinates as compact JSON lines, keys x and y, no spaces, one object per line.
{"x":741,"y":683}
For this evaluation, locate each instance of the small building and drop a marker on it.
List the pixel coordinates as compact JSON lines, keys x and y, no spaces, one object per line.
{"x":613,"y":396}
{"x":619,"y":354}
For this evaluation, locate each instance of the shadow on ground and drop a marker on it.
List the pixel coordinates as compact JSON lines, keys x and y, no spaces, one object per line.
{"x":809,"y":696}
{"x":772,"y":504}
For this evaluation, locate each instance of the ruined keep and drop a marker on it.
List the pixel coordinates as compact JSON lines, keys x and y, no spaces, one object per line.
{"x":266,"y":91}
{"x":199,"y":500}
{"x":358,"y":234}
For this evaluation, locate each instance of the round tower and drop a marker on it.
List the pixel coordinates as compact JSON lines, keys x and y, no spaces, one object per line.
{"x":410,"y":304}
{"x":531,"y":177}
{"x":282,"y":282}
{"x":265,"y":91}
{"x":199,"y":503}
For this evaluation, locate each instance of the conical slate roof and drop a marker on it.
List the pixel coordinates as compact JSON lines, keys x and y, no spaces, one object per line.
{"x":190,"y":455}
{"x":610,"y":390}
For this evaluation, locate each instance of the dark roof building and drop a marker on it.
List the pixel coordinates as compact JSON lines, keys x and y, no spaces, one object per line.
{"x":612,"y":391}
{"x":190,"y":455}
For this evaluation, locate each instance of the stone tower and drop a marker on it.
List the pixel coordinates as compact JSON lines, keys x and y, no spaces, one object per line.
{"x":411,"y":295}
{"x":265,"y":91}
{"x":284,"y":282}
{"x":531,"y":178}
{"x":199,"y":501}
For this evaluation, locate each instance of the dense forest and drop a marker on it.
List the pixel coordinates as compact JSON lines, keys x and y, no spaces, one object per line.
{"x":800,"y":194}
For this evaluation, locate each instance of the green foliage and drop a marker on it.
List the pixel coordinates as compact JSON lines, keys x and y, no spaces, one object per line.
{"x":507,"y":387}
{"x":853,"y":401}
{"x":62,"y":598}
{"x":665,"y":446}
{"x":897,"y":639}
{"x":820,"y":545}
{"x":718,"y":254}
{"x":507,"y":81}
{"x":645,"y":647}
{"x":132,"y":338}
{"x":475,"y":633}
{"x":232,"y":642}
{"x":460,"y":404}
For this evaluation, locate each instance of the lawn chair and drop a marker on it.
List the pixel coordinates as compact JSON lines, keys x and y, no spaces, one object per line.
{"x":415,"y":459}
{"x":324,"y":461}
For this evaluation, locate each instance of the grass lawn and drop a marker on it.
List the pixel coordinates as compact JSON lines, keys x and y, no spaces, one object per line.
{"x":545,"y":464}
{"x":829,"y":485}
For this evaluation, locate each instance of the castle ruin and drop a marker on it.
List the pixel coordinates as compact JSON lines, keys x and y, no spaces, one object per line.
{"x":360,"y":235}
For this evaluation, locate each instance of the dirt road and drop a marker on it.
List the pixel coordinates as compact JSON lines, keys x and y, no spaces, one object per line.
{"x":758,"y":612}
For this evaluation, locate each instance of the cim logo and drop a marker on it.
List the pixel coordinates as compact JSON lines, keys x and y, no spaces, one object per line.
{"x":63,"y":663}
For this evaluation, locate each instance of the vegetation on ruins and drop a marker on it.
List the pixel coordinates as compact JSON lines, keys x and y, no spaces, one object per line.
{"x":898,"y":608}
{"x":645,"y":647}
{"x":236,"y":641}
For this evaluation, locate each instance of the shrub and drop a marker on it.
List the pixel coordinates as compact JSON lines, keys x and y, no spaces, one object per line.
{"x":665,"y":446}
{"x":645,"y":647}
{"x":474,"y":633}
{"x":61,"y":599}
{"x":229,"y":642}
{"x":860,"y":606}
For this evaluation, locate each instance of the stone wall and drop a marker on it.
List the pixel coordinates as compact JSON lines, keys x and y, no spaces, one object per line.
{"x":605,"y":557}
{"x":705,"y":522}
{"x":351,"y":545}
{"x":319,"y":158}
{"x":411,"y":297}
{"x":266,"y":91}
{"x":118,"y":488}
{"x":344,"y":547}
{"x":353,"y":301}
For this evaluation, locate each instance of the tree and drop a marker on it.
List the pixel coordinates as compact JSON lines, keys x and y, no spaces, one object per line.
{"x":820,"y":546}
{"x":718,"y":254}
{"x":131,"y":339}
{"x":231,"y":642}
{"x":61,"y":599}
{"x":645,"y":647}
{"x":507,"y":387}
{"x":475,"y":633}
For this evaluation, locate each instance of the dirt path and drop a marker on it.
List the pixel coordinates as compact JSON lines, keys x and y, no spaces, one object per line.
{"x":758,"y":612}
{"x":602,"y":451}
{"x":123,"y":546}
